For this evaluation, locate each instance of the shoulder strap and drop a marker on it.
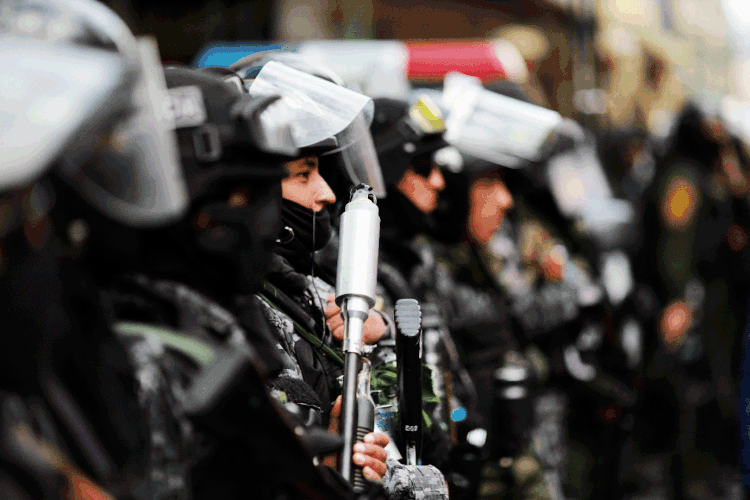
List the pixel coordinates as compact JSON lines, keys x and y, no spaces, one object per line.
{"x":200,"y":352}
{"x":303,"y":324}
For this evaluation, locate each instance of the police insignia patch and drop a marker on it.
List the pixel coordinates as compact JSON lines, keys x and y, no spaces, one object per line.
{"x":680,"y":203}
{"x":185,"y":106}
{"x":675,"y":322}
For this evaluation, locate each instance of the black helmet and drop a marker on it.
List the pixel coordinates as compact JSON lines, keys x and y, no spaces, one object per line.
{"x":224,"y":136}
{"x":697,"y":133}
{"x":406,"y":136}
{"x":228,"y":76}
{"x":328,"y":118}
{"x":230,"y":144}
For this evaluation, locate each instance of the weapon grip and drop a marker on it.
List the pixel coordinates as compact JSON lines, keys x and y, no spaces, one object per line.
{"x":409,"y":366}
{"x":365,"y":420}
{"x":365,"y":425}
{"x":512,"y":410}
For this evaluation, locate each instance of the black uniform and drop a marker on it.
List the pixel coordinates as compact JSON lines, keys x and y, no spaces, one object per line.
{"x":67,"y":381}
{"x":697,"y":252}
{"x":183,"y":302}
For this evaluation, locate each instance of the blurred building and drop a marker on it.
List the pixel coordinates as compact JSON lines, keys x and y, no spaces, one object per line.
{"x":183,"y":27}
{"x":543,"y":31}
{"x":625,"y":62}
{"x":656,"y":53}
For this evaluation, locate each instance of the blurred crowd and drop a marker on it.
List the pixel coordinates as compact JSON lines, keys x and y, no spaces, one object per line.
{"x":198,"y":262}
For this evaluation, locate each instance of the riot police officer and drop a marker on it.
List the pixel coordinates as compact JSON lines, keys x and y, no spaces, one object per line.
{"x":74,"y":424}
{"x":696,"y":256}
{"x":293,"y":289}
{"x":453,"y":214}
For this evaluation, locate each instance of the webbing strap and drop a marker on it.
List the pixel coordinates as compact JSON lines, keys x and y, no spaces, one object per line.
{"x":195,"y":349}
{"x":309,"y":336}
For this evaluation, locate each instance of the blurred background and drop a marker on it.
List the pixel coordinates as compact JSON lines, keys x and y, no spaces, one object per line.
{"x":627,"y":62}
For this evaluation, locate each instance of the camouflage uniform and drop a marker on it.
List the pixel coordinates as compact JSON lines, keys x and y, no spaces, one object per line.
{"x":697,"y":259}
{"x":168,"y":444}
{"x":478,"y":317}
{"x":408,"y":482}
{"x":302,"y":361}
{"x":33,"y":463}
{"x":152,"y":316}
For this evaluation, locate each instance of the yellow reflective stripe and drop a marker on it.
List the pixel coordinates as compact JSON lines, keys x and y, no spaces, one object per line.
{"x":427,"y":115}
{"x":196,"y":349}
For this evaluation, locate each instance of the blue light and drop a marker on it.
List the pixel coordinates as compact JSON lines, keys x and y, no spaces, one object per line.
{"x":226,"y":53}
{"x":458,"y":414}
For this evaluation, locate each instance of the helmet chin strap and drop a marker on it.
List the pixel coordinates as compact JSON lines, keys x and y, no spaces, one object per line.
{"x":312,"y":273}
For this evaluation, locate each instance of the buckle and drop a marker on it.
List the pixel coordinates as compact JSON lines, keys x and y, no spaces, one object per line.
{"x":207,"y":143}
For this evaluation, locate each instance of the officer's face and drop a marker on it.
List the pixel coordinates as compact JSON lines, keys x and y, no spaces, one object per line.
{"x":305,"y":186}
{"x":422,"y":191}
{"x":489,"y":200}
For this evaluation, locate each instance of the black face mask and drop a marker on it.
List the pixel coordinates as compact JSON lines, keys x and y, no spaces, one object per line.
{"x":298,"y":250}
{"x":244,"y":236}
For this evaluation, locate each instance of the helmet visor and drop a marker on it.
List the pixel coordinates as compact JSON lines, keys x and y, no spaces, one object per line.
{"x":319,"y":110}
{"x":494,"y":127}
{"x":126,"y":164}
{"x":576,"y":179}
{"x":137,"y":178}
{"x":50,"y":92}
{"x":359,"y":157}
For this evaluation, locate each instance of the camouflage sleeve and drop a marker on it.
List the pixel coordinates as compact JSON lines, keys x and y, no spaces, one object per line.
{"x":414,"y":482}
{"x":321,"y":289}
{"x":283,"y":330}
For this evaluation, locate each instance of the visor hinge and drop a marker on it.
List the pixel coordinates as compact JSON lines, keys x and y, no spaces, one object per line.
{"x":207,"y":143}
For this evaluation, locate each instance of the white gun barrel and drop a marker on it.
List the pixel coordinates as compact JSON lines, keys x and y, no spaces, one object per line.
{"x":357,"y":270}
{"x":355,"y":293}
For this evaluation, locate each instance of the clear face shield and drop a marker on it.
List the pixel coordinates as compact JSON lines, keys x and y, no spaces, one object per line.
{"x":49,"y":93}
{"x":319,"y":110}
{"x":124,"y":163}
{"x":581,"y":191}
{"x":269,"y":130}
{"x":493,"y":127}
